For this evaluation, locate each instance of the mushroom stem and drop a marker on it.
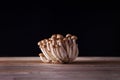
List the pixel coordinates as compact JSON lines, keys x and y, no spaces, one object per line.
{"x":74,"y":38}
{"x":77,"y":52}
{"x":44,"y":52}
{"x":53,"y":52}
{"x":58,"y":52}
{"x":67,"y":46}
{"x":62,"y":50}
{"x":70,"y":54}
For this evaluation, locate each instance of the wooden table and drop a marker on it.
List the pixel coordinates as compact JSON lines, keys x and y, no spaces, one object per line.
{"x":83,"y":68}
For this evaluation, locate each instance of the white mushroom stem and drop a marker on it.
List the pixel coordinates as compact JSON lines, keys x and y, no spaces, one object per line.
{"x":50,"y":51}
{"x":53,"y":38}
{"x":67,"y":46}
{"x":74,"y":47}
{"x":70,"y":47}
{"x":49,"y":54}
{"x":58,"y":52}
{"x":77,"y":51}
{"x":47,"y":45}
{"x":70,"y":52}
{"x":53,"y":53}
{"x":44,"y":52}
{"x":62,"y":50}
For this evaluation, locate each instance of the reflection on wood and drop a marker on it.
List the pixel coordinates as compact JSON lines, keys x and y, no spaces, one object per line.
{"x":83,"y":68}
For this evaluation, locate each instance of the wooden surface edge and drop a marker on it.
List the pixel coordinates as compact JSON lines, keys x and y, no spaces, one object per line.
{"x":77,"y":59}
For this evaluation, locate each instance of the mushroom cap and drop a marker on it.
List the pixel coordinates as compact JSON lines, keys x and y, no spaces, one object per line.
{"x":46,"y":40}
{"x":74,"y":37}
{"x":44,"y":46}
{"x":42,"y":41}
{"x":60,"y":40}
{"x":59,"y":36}
{"x":65,"y":39}
{"x":57,"y":46}
{"x":68,"y":35}
{"x":54,"y":36}
{"x":50,"y":41}
{"x":38,"y":43}
{"x":41,"y":54}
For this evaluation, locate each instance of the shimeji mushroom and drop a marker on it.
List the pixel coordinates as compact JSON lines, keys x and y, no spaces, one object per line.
{"x":59,"y":49}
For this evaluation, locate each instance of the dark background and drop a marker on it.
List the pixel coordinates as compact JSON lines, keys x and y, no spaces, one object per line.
{"x":95,"y":24}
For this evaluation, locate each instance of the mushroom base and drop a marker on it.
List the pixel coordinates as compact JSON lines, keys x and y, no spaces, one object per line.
{"x":65,"y":61}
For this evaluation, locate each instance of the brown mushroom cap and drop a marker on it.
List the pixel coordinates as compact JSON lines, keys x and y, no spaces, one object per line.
{"x":44,"y":46}
{"x":65,"y":39}
{"x":60,"y":40}
{"x":68,"y":35}
{"x":38,"y":43}
{"x":41,"y":54}
{"x":74,"y":37}
{"x":46,"y":40}
{"x":42,"y":41}
{"x":59,"y":36}
{"x":54,"y":36}
{"x":50,"y":41}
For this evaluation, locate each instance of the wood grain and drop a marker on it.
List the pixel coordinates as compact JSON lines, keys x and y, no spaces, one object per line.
{"x":83,"y":68}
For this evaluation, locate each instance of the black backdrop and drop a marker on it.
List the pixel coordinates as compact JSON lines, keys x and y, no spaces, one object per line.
{"x":96,"y":25}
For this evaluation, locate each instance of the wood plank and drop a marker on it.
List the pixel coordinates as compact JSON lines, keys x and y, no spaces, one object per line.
{"x":77,"y":59}
{"x":84,"y":68}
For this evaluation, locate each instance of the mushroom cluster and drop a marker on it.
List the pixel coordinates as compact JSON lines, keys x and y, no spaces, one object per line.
{"x":59,"y":49}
